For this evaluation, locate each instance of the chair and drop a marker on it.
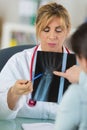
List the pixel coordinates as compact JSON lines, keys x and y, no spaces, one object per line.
{"x":6,"y":53}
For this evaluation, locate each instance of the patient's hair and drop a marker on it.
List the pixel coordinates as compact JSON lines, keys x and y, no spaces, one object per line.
{"x":79,"y":41}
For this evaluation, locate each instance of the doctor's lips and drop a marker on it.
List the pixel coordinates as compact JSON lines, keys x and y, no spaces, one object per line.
{"x":51,"y":44}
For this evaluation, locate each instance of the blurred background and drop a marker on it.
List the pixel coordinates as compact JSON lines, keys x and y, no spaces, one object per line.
{"x":17,"y":19}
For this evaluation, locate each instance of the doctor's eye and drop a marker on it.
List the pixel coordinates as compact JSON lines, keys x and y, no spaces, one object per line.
{"x":46,"y":29}
{"x":58,"y":29}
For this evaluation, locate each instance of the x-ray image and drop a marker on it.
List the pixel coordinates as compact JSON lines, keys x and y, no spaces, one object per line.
{"x":48,"y":87}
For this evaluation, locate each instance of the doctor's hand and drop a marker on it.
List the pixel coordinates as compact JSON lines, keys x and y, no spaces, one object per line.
{"x":21,"y":87}
{"x":71,"y":74}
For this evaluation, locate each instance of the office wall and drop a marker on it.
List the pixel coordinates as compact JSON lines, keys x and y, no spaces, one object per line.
{"x":9,"y":10}
{"x":77,"y":8}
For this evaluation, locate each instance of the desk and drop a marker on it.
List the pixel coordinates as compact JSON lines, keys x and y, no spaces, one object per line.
{"x":16,"y":123}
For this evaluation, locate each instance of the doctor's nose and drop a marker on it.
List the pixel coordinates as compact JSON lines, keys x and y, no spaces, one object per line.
{"x":52,"y":35}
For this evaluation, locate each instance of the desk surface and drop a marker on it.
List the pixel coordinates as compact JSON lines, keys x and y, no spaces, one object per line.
{"x":16,"y":123}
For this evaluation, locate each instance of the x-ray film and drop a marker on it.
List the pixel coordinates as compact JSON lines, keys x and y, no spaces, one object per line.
{"x":48,"y":87}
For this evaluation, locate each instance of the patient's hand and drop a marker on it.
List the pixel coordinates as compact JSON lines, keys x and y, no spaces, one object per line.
{"x":71,"y":74}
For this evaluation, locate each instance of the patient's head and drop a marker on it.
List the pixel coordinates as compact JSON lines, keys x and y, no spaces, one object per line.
{"x":79,"y":45}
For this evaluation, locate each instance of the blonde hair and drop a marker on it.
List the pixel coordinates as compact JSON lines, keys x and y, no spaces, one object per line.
{"x":47,"y":12}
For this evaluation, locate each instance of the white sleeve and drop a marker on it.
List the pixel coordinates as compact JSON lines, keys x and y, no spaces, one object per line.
{"x":8,"y":76}
{"x":42,"y":110}
{"x":68,"y":116}
{"x":5,"y":112}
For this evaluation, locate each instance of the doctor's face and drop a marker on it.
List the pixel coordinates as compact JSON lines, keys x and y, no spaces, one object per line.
{"x":53,"y":35}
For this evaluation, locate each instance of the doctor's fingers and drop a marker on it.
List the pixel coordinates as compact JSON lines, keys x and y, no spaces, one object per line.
{"x":20,"y":88}
{"x":25,"y":91}
{"x":22,"y":81}
{"x":28,"y":87}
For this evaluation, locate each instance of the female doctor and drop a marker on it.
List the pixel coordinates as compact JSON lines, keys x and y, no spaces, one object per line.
{"x":52,"y":29}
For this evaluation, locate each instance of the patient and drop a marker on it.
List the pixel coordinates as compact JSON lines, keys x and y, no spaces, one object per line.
{"x":72,"y":111}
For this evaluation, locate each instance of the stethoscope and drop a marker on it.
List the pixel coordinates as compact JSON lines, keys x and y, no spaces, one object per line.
{"x":32,"y":102}
{"x":32,"y":62}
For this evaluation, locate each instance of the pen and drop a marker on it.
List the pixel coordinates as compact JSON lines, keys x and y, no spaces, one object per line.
{"x":37,"y":76}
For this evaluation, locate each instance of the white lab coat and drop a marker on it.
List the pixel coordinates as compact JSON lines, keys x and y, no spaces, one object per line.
{"x":16,"y":68}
